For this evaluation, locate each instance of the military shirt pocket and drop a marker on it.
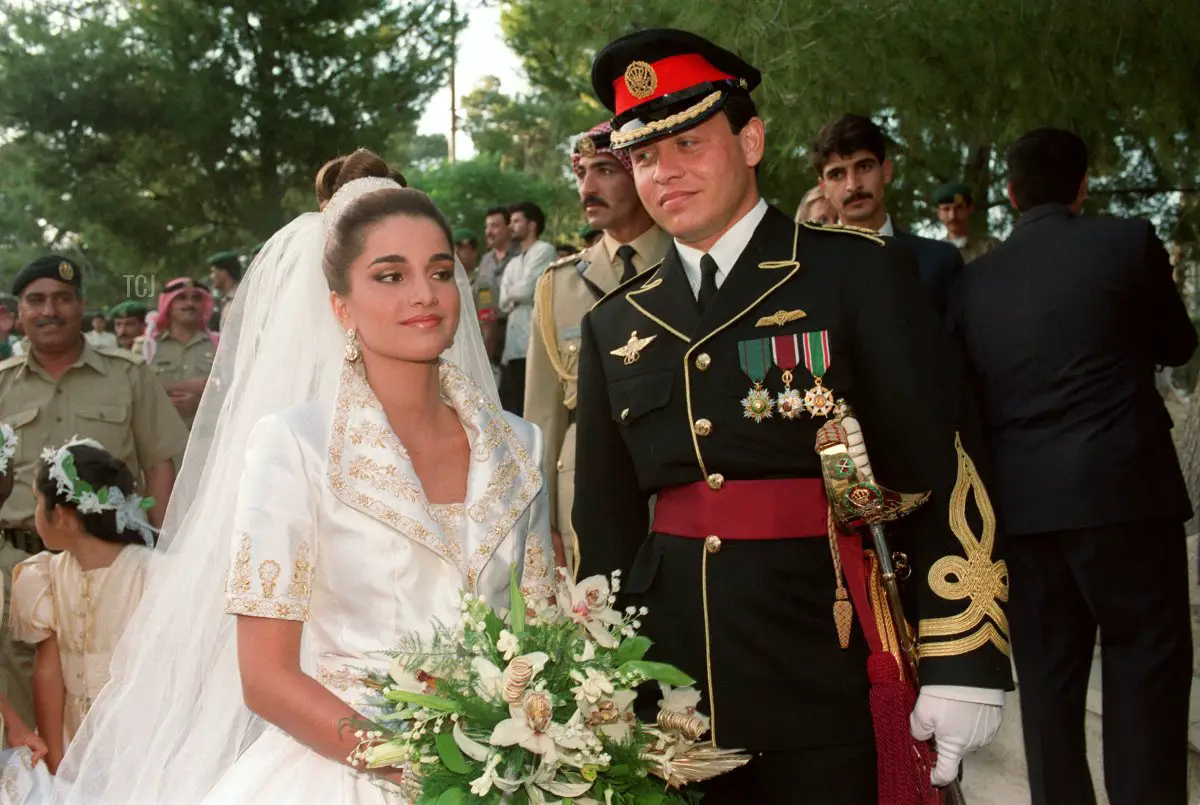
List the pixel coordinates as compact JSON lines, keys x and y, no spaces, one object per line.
{"x":20,"y":419}
{"x":107,"y":424}
{"x":633,"y":397}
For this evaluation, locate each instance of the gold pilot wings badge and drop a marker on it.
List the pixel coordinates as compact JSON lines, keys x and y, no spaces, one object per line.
{"x":633,"y":348}
{"x":780,"y":318}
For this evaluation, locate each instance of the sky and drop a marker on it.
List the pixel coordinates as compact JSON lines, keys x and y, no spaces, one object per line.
{"x":481,"y":52}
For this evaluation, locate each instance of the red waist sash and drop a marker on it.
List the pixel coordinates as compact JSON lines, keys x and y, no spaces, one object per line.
{"x":782,"y":508}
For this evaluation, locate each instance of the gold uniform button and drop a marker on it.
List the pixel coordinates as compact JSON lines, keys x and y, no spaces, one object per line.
{"x":559,"y":466}
{"x":703,"y":427}
{"x":703,"y":361}
{"x":624,"y":414}
{"x":716,"y":481}
{"x":572,"y":347}
{"x":712,"y":543}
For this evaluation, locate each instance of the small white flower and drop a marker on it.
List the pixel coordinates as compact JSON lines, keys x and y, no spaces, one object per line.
{"x":592,"y":687}
{"x":508,"y":644}
{"x":644,"y":611}
{"x":484,"y":782}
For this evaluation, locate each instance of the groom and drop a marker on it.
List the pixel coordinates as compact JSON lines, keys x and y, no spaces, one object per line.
{"x":682,"y":394}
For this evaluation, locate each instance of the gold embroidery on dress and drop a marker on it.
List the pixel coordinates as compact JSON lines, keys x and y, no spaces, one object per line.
{"x":384,"y":478}
{"x":241,"y":568}
{"x":487,"y":442}
{"x":260,"y":608}
{"x":500,"y":482}
{"x":300,"y":587}
{"x":975,"y":577}
{"x":535,"y":578}
{"x":371,"y":434}
{"x":268,"y":574}
{"x":342,"y":679}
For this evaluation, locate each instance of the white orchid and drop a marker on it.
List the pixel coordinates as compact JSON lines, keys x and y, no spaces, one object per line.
{"x":612,"y":716}
{"x":593,"y":686}
{"x":589,"y":603}
{"x":508,"y":644}
{"x":531,"y":726}
{"x":8,"y":445}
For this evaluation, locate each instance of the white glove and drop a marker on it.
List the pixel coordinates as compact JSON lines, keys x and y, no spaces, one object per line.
{"x":959,"y":727}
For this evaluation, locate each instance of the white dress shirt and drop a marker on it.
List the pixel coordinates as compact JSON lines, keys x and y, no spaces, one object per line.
{"x":725,"y":251}
{"x":887,"y":230}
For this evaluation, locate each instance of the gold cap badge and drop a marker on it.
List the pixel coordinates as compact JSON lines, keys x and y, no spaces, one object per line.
{"x":66,"y":271}
{"x":640,"y":79}
{"x":586,"y":146}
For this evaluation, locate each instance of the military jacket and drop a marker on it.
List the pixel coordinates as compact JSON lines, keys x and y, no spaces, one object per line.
{"x":565,"y":292}
{"x":757,"y":612}
{"x":108,"y":395}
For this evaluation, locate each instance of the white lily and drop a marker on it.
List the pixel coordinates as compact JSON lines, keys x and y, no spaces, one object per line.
{"x":588,"y":603}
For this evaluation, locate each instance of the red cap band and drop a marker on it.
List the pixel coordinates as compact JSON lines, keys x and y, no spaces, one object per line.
{"x":665,"y":76}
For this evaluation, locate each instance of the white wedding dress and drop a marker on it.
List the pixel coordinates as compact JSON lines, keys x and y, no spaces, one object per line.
{"x":332,"y":528}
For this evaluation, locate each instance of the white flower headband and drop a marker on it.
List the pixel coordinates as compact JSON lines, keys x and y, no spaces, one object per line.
{"x":130,"y":510}
{"x":8,"y":446}
{"x":350,"y":192}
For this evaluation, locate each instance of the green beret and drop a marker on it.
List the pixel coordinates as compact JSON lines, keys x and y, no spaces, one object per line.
{"x":254,"y":252}
{"x":50,"y":266}
{"x":463,"y":234}
{"x":227,"y":261}
{"x":950,"y":193}
{"x":587,"y":231}
{"x":129,"y":309}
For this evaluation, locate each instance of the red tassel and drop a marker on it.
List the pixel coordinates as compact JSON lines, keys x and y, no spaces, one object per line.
{"x":901,"y":780}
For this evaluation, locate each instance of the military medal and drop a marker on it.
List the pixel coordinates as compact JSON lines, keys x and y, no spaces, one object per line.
{"x":818,"y":400}
{"x":754,"y":357}
{"x":786,"y":350}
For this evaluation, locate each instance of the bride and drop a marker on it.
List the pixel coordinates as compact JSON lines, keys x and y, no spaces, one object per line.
{"x":336,"y":504}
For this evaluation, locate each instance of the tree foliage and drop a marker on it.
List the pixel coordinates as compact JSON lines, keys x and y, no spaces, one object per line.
{"x":953,"y":84}
{"x":464,"y":191}
{"x":158,"y":131}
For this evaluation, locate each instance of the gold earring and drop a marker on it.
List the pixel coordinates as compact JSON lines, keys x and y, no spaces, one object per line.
{"x":352,"y":353}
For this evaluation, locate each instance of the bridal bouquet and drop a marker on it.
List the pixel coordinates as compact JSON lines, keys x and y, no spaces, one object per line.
{"x":536,"y":708}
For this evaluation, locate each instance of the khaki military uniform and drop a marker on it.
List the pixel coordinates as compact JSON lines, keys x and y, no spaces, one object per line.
{"x":108,"y":395}
{"x":566,"y":291}
{"x":227,"y":305}
{"x":974,"y":246}
{"x":173,"y":360}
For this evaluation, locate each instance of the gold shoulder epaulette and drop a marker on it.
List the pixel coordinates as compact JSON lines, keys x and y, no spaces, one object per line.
{"x":862,"y":232}
{"x":118,"y":352}
{"x":647,"y":276}
{"x":8,"y":363}
{"x":569,"y":260}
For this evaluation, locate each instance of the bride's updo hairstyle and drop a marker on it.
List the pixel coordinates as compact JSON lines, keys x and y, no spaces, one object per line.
{"x":345,"y":239}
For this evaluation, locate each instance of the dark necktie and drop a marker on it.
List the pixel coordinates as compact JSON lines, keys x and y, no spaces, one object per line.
{"x":626,"y":254}
{"x":708,"y":282}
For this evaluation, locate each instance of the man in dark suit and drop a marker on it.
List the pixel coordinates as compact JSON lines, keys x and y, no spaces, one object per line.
{"x":691,"y":385}
{"x":1064,"y":324}
{"x":850,"y":157}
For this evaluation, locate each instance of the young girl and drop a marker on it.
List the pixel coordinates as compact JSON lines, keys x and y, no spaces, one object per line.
{"x":74,"y":605}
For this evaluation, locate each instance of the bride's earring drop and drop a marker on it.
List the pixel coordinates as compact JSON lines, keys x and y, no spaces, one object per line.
{"x":352,"y":353}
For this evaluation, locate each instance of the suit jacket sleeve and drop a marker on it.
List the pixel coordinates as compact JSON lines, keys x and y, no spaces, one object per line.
{"x":923,"y":433}
{"x":1172,"y":337}
{"x":610,"y":513}
{"x":544,"y":391}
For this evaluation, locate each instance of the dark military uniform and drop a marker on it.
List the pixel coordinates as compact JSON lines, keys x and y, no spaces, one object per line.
{"x":674,"y":417}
